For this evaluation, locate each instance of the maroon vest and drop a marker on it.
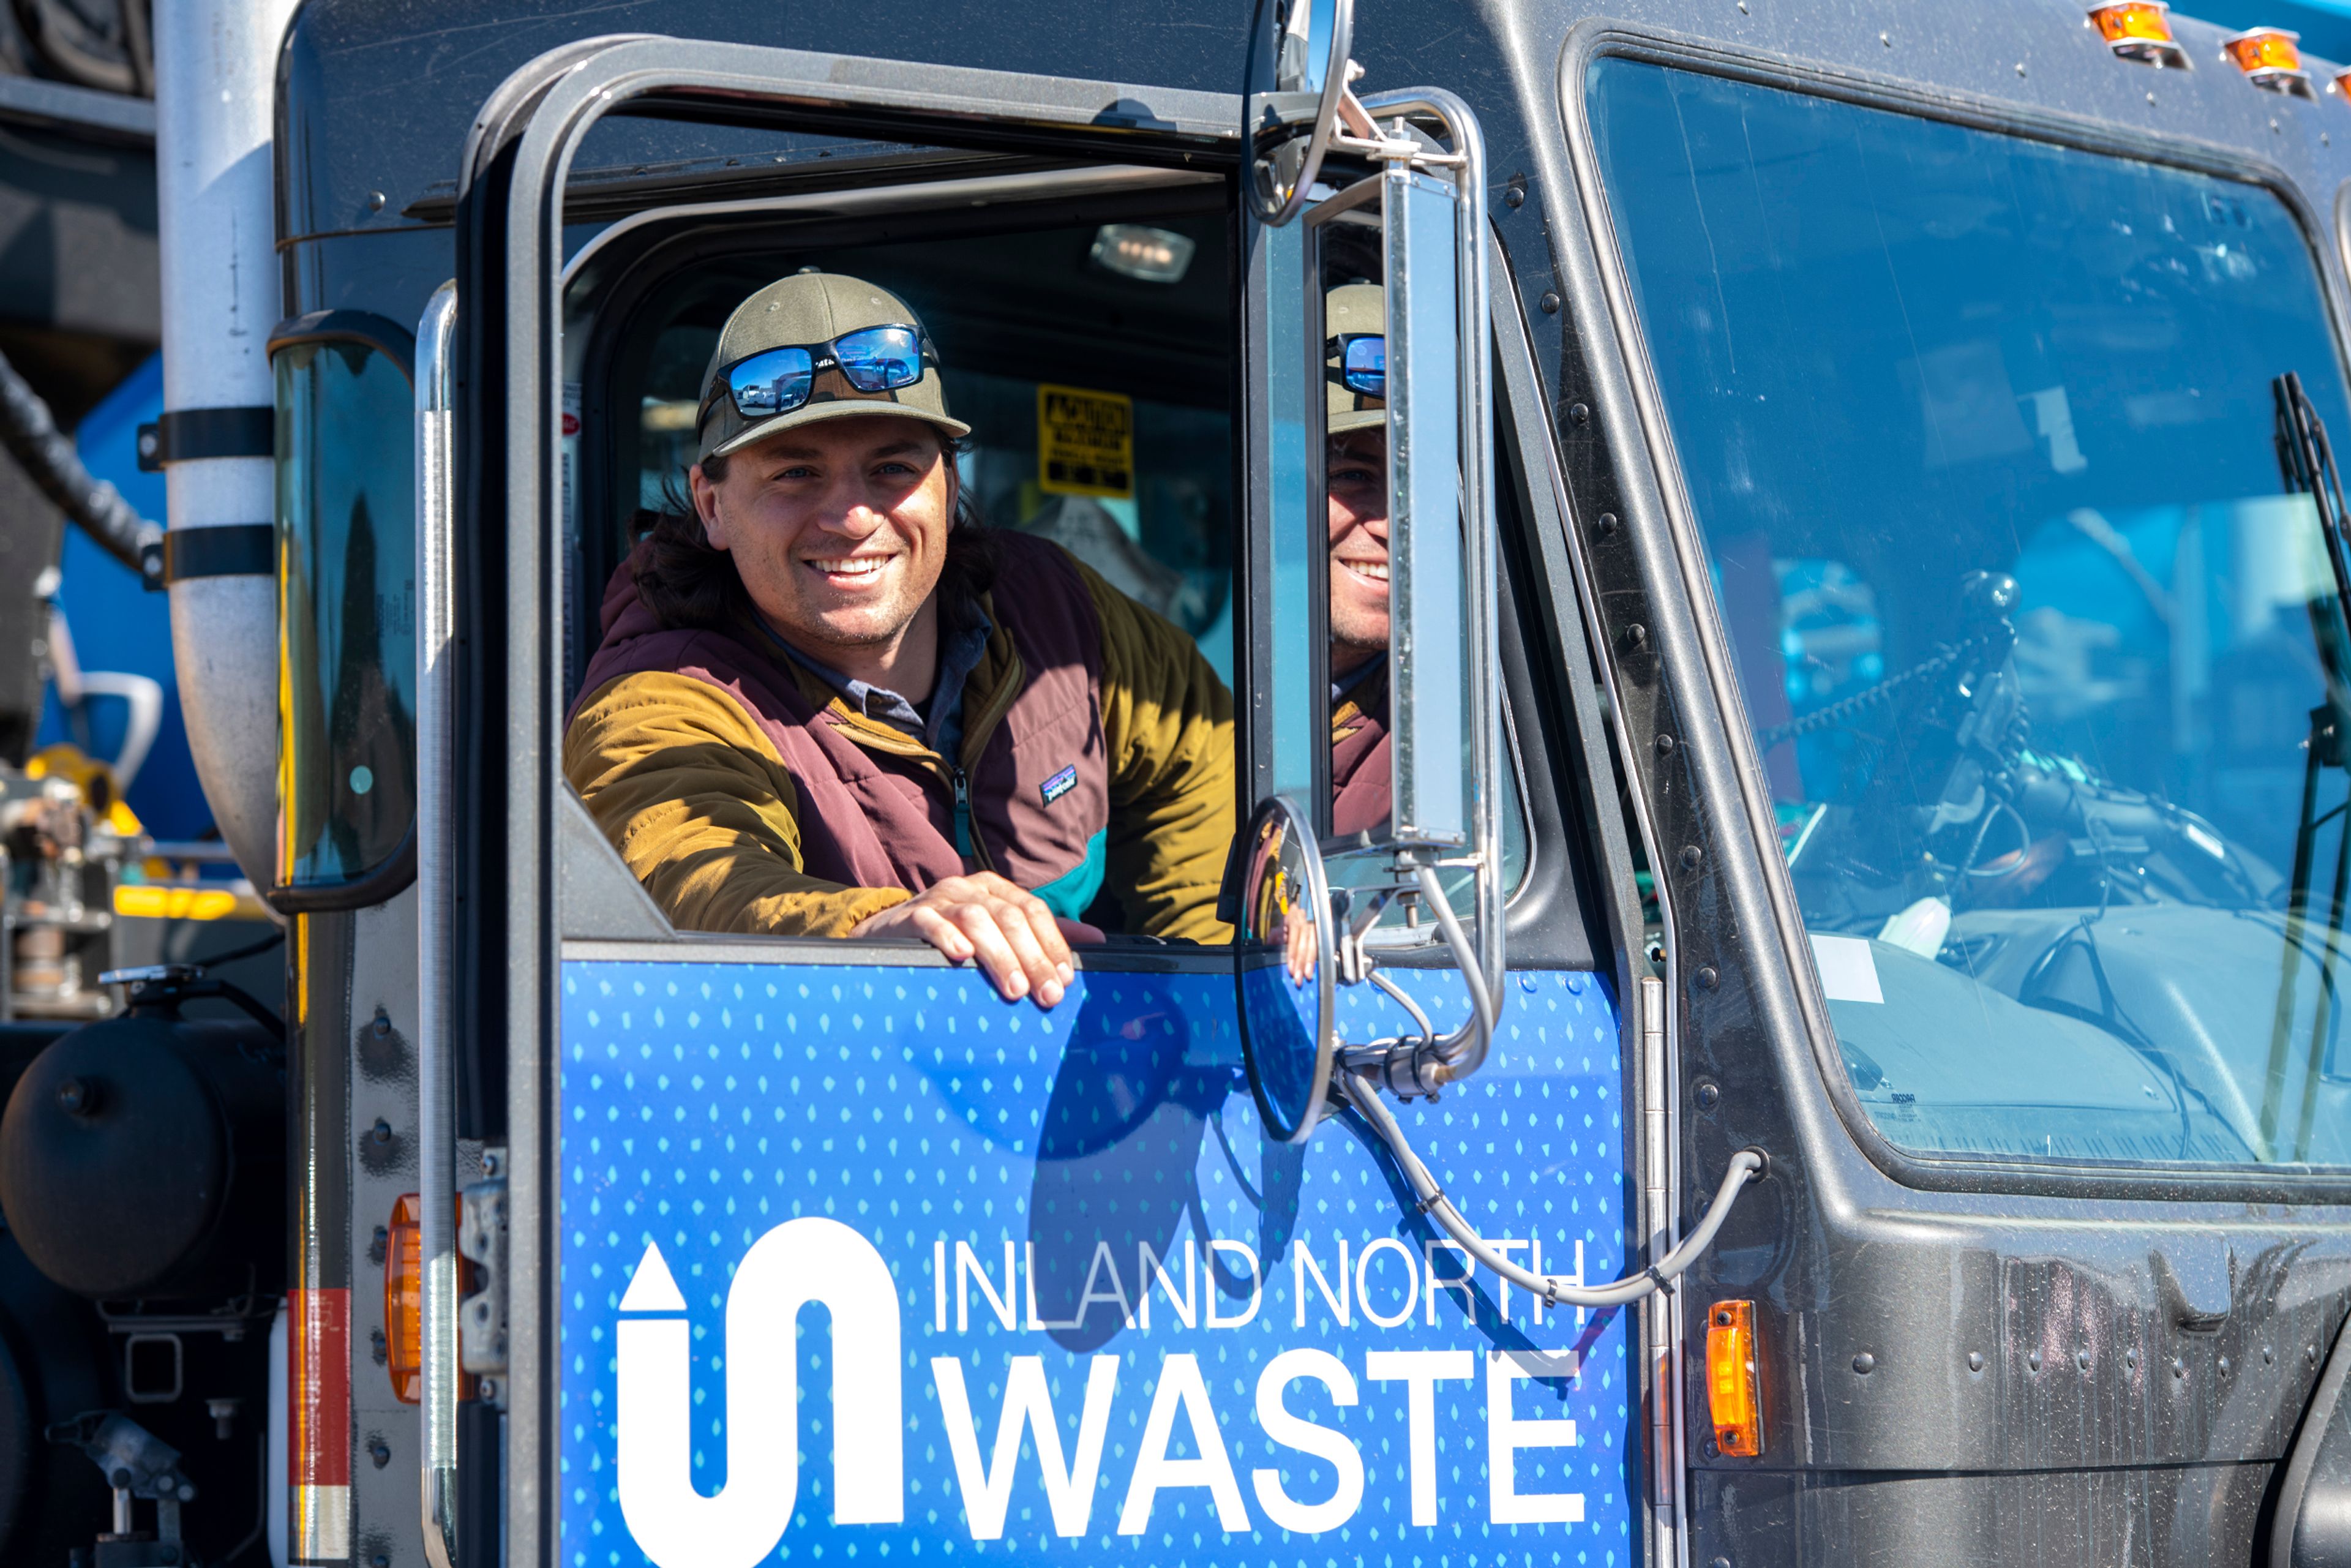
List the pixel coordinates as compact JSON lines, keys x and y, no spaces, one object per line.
{"x":1040,"y":788}
{"x":1362,"y":781}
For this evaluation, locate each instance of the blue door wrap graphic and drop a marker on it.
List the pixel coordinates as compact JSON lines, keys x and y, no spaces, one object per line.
{"x":1125,"y":1326}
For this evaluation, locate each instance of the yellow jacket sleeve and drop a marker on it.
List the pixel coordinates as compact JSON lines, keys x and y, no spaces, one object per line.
{"x":1168,"y":723}
{"x":690,"y":791}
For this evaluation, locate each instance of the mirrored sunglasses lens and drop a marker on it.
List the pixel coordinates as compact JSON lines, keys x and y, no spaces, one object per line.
{"x":774,"y":382}
{"x":880,"y":359}
{"x":1365,"y":367}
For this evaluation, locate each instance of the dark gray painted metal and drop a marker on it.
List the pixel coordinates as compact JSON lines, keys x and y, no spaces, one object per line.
{"x":2132,"y":1518}
{"x":378,"y":98}
{"x":2313,"y":1528}
{"x":599,"y":898}
{"x":2322,"y":1533}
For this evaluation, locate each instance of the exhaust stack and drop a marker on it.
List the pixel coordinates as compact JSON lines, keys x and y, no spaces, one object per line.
{"x":216,"y":91}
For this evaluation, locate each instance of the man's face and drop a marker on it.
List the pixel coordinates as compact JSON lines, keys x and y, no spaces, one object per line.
{"x":1358,"y":487}
{"x":838,"y":527}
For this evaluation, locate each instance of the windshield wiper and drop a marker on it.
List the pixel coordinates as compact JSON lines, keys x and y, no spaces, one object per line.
{"x":2307,"y":462}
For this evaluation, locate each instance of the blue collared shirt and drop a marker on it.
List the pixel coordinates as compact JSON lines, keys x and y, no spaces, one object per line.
{"x":942,"y":728}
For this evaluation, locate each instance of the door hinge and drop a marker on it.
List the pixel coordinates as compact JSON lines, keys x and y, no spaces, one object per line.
{"x":482,"y":1316}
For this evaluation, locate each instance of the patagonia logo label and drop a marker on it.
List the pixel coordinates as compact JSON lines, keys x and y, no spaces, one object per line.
{"x":1059,"y":784}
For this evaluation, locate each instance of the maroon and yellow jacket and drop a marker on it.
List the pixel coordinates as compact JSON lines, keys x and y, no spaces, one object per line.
{"x":748,"y":796}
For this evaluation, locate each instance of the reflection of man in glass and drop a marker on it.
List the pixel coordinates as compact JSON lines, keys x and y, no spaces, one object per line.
{"x":1356,"y":384}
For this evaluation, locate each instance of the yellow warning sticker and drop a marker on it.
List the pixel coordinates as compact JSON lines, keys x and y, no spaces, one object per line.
{"x":1085,"y":443}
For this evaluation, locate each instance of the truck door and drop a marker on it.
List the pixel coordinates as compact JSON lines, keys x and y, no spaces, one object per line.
{"x":1078,"y":1297}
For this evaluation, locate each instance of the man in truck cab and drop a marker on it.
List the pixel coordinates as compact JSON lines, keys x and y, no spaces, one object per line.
{"x":1356,"y":486}
{"x":828,"y":703}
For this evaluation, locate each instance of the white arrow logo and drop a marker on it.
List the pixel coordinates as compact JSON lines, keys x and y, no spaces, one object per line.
{"x":799,"y":1261}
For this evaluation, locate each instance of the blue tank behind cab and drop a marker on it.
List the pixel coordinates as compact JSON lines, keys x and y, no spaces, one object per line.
{"x":1249,"y":1352}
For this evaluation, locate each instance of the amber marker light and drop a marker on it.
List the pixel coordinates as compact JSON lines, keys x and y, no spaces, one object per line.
{"x":1731,"y":1382}
{"x":403,"y":1303}
{"x":403,"y":1299}
{"x":2139,"y":30}
{"x":2270,"y":58}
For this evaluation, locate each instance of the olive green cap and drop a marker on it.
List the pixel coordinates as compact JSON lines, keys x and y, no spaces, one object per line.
{"x":1353,"y":310}
{"x":811,"y":308}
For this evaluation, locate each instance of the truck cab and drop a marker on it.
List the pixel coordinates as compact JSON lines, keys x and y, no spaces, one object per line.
{"x":1867,"y":685}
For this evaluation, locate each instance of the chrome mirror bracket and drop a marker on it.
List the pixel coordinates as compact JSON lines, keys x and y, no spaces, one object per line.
{"x":1290,"y":130}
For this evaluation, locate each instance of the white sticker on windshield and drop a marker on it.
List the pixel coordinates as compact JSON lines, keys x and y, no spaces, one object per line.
{"x":1848,"y":972}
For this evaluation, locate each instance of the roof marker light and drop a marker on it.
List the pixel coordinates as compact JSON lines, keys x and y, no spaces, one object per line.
{"x":1733,"y":1384}
{"x":2140,"y":30}
{"x":2271,"y":57}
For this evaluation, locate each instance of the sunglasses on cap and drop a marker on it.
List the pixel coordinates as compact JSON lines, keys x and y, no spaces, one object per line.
{"x":777,"y":380}
{"x":1363,"y":361}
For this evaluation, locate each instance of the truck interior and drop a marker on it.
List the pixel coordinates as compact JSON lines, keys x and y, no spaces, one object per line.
{"x":1092,"y":284}
{"x":1024,"y":290}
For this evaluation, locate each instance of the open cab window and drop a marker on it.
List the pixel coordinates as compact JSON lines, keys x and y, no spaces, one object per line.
{"x":1082,"y":325}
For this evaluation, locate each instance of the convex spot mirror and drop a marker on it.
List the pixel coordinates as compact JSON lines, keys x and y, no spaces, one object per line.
{"x":1284,"y":936}
{"x":1310,"y":45}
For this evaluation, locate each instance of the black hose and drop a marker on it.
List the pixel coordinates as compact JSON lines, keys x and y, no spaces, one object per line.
{"x":48,"y":454}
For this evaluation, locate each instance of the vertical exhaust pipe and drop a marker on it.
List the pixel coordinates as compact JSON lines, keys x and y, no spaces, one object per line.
{"x":215,"y":92}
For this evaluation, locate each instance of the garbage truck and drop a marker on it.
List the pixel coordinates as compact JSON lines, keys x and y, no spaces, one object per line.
{"x":1844,"y":724}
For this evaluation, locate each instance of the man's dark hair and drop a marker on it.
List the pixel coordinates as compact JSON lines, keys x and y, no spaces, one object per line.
{"x":686,"y":583}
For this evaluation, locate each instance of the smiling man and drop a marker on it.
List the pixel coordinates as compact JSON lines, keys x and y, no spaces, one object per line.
{"x":821,"y":709}
{"x":1356,"y":486}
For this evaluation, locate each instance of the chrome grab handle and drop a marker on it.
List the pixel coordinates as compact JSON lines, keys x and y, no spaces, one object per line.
{"x":436,"y":1120}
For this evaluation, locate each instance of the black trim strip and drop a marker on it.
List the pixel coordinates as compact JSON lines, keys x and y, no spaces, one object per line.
{"x":229,"y":550}
{"x":388,"y":338}
{"x":185,"y":434}
{"x":363,"y":891}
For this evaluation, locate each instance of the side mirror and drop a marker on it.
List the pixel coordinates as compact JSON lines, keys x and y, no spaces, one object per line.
{"x":1410,"y":204}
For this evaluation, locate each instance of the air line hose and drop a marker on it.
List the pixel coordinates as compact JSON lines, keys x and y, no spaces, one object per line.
{"x":1746,"y":1166}
{"x":47,"y":453}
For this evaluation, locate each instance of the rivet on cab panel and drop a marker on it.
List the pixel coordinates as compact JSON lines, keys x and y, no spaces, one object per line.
{"x":1732,"y":1384}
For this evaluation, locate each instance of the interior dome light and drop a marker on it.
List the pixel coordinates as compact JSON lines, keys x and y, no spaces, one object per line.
{"x":2139,"y":30}
{"x":2271,"y":57}
{"x":1145,"y":253}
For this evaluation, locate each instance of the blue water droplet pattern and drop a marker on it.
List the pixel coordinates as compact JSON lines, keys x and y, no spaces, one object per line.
{"x":703,"y":1104}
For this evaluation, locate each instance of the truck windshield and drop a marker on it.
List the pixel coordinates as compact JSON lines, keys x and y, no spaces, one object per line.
{"x":2044,"y":663}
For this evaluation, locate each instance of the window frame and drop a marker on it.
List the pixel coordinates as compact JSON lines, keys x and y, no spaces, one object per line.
{"x":650,"y":249}
{"x":1690,"y":652}
{"x":1553,"y":913}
